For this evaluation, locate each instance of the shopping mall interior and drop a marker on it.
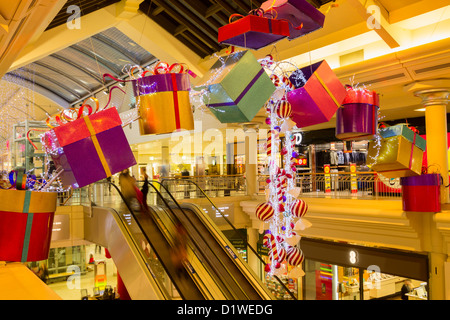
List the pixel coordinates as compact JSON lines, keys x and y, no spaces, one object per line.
{"x":262,"y":206}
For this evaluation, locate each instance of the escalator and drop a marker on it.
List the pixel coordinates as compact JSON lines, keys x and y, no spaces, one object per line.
{"x":140,"y":243}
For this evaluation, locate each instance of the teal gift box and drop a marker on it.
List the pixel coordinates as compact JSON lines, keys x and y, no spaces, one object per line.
{"x":236,"y":88}
{"x":404,"y":131}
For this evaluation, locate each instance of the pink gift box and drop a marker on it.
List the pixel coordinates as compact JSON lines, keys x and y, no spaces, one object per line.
{"x":316,"y":100}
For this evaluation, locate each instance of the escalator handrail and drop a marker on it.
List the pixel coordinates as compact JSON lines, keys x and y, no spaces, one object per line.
{"x":230,"y":223}
{"x":140,"y":226}
{"x":170,"y":195}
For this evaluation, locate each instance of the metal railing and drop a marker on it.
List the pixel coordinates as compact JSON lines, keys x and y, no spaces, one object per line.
{"x":360,"y":185}
{"x":212,"y":185}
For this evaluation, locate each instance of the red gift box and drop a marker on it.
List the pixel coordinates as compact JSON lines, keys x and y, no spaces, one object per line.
{"x":421,"y":193}
{"x":253,"y":32}
{"x":26,"y":220}
{"x":361,"y":96}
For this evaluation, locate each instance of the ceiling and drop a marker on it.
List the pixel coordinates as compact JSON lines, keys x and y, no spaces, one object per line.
{"x":76,"y":73}
{"x":59,"y":67}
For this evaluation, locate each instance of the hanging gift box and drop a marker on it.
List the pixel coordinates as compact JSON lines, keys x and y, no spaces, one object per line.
{"x":421,"y":193}
{"x":406,"y":132}
{"x":303,"y":17}
{"x":90,"y":148}
{"x":163,"y":102}
{"x":236,"y":88}
{"x":26,"y":220}
{"x":395,"y":157}
{"x":317,"y":100}
{"x":357,"y":118}
{"x":253,"y":31}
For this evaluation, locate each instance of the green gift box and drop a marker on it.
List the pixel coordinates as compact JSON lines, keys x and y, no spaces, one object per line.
{"x":395,"y":157}
{"x":404,"y":131}
{"x":236,"y":88}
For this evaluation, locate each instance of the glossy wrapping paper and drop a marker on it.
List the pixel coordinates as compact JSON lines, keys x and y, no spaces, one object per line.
{"x":317,"y":100}
{"x":253,"y":32}
{"x":163,"y":102}
{"x":86,"y":156}
{"x":26,"y":220}
{"x":421,"y":193}
{"x":237,"y":88}
{"x":357,"y":118}
{"x":298,"y":13}
{"x":396,"y":157}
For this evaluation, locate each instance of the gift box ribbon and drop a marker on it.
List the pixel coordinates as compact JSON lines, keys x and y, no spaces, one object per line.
{"x":97,"y":146}
{"x":327,"y":89}
{"x":26,"y":240}
{"x":241,"y":96}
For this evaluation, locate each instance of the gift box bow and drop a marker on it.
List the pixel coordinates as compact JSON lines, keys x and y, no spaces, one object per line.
{"x":360,"y":95}
{"x":78,"y":125}
{"x":270,"y":14}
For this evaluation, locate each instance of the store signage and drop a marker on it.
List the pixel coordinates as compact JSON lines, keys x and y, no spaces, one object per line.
{"x":298,"y":138}
{"x":353,"y":179}
{"x":326,"y":170}
{"x":353,"y":257}
{"x":226,"y":210}
{"x":302,"y":162}
{"x":61,"y":227}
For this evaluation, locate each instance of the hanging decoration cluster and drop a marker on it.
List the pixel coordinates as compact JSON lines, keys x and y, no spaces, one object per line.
{"x":282,"y":213}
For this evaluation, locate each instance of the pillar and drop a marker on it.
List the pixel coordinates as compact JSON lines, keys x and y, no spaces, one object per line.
{"x":251,"y":158}
{"x":435,"y":96}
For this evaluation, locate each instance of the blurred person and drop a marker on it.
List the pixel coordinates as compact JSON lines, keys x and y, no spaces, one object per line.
{"x":406,"y":288}
{"x":131,"y":193}
{"x":144,"y":188}
{"x":179,"y":250}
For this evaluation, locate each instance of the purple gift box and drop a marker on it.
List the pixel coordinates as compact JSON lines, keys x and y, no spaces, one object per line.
{"x":303,"y":17}
{"x":160,"y":83}
{"x":356,"y":121}
{"x":89,"y":149}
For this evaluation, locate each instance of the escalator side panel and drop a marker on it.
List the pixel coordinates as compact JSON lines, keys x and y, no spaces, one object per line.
{"x":102,"y":227}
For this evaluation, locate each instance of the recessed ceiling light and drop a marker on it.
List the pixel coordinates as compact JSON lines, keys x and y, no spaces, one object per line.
{"x":420,"y":110}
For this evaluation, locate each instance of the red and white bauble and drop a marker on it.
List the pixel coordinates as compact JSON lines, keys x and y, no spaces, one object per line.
{"x":283,"y":109}
{"x":264,"y":211}
{"x":299,"y":208}
{"x":294,"y":256}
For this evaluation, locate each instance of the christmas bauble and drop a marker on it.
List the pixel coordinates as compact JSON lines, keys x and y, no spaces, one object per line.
{"x":264,"y":211}
{"x":294,"y":256}
{"x":299,"y":208}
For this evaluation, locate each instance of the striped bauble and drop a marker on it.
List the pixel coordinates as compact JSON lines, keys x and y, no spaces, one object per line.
{"x":299,"y":208}
{"x":283,"y":109}
{"x":294,"y":256}
{"x":264,"y":211}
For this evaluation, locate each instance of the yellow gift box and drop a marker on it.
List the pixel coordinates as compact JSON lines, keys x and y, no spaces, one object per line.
{"x":395,"y":157}
{"x":164,"y":112}
{"x":13,"y":201}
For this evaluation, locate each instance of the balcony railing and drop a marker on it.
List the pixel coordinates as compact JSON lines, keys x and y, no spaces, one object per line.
{"x":359,"y":185}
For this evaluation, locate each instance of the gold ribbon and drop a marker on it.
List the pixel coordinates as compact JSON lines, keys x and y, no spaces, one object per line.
{"x":327,"y":89}
{"x":97,"y":146}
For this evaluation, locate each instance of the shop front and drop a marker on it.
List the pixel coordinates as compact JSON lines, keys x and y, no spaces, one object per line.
{"x":341,"y":271}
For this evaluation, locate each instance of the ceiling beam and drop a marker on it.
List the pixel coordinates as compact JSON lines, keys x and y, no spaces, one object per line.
{"x":148,"y":34}
{"x":377,"y":19}
{"x":205,"y":35}
{"x":61,"y":37}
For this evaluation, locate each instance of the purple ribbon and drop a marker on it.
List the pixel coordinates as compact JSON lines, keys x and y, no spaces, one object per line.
{"x":241,"y":96}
